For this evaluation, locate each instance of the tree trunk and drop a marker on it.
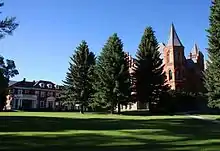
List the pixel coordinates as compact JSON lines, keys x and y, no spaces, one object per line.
{"x":2,"y":101}
{"x":82,"y":109}
{"x":119,"y":108}
{"x":112,"y":109}
{"x":150,"y":106}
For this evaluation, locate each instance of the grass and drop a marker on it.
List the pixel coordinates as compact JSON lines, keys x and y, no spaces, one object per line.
{"x":24,"y":131}
{"x":213,"y":117}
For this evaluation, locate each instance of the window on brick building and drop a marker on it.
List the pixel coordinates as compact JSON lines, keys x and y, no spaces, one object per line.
{"x":41,"y":104}
{"x":42,"y":94}
{"x":36,"y":92}
{"x":19,"y":91}
{"x":27,"y":91}
{"x":57,"y":94}
{"x":170,"y":75}
{"x":49,"y":93}
{"x":168,"y":57}
{"x":177,"y":74}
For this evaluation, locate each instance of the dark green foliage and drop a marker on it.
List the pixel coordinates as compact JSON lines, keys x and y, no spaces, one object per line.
{"x":3,"y":88}
{"x":78,"y":86}
{"x":180,"y":101}
{"x":212,"y":74}
{"x":7,"y":71}
{"x":113,"y":80}
{"x":149,"y":76}
{"x":7,"y":26}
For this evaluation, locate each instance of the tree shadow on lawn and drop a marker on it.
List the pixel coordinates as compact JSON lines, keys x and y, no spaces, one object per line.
{"x":96,"y":142}
{"x":185,"y":129}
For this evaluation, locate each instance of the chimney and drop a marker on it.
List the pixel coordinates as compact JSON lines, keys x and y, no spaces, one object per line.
{"x":24,"y":79}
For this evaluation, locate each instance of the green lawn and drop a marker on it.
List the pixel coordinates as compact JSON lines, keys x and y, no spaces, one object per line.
{"x":26,"y":131}
{"x":213,"y":117}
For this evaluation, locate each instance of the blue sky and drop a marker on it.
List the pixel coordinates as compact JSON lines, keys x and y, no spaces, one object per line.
{"x":50,"y":30}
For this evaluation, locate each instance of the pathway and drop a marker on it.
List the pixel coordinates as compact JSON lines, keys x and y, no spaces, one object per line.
{"x":203,"y":118}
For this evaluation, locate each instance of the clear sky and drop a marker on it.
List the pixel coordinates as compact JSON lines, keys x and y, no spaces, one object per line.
{"x":50,"y":30}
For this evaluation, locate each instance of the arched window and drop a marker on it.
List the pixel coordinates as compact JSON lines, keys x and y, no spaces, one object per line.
{"x":170,"y":75}
{"x":177,"y":74}
{"x":168,"y":56}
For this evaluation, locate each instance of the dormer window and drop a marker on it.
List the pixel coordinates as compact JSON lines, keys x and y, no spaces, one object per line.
{"x":49,"y":86}
{"x":41,"y":85}
{"x":57,"y":86}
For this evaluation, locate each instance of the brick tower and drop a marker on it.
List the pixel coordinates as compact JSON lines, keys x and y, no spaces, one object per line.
{"x":174,"y":61}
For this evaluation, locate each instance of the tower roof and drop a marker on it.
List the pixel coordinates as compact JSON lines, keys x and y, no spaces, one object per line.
{"x":195,"y":49}
{"x":173,"y":37}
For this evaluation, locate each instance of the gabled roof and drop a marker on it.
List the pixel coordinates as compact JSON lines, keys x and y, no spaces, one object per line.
{"x":33,"y":84}
{"x":12,"y":82}
{"x":173,"y":38}
{"x":23,"y":84}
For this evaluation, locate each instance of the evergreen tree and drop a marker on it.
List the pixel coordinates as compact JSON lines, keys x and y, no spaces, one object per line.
{"x":212,"y":74}
{"x":149,"y":76}
{"x":78,"y":86}
{"x":112,"y":84}
{"x":7,"y":25}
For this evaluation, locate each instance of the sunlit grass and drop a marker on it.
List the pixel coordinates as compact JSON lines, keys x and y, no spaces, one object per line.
{"x":73,"y":131}
{"x":213,"y":117}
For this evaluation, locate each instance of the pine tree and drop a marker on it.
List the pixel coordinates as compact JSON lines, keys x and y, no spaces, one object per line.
{"x":8,"y":25}
{"x":78,"y":86}
{"x":149,"y":76}
{"x":112,"y":84}
{"x":212,"y":74}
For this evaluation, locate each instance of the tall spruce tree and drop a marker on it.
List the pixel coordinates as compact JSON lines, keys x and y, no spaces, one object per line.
{"x":212,"y":74}
{"x":113,"y":78}
{"x":149,"y":76}
{"x":78,"y":86}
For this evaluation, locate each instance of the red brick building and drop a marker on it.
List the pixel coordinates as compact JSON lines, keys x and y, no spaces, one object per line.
{"x":33,"y":95}
{"x":182,"y":73}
